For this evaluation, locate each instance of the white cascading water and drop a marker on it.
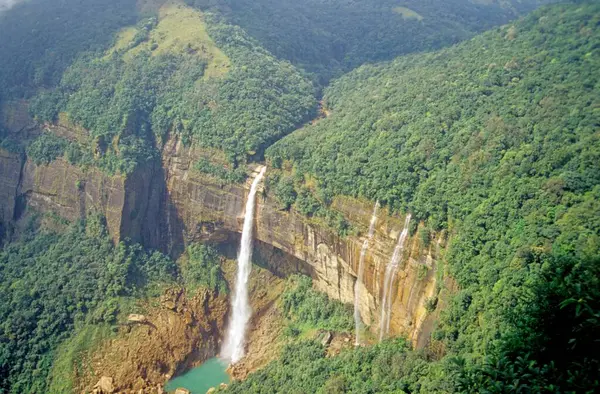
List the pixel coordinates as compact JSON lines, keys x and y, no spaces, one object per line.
{"x":233,"y":348}
{"x":361,"y":269}
{"x":390,"y":273}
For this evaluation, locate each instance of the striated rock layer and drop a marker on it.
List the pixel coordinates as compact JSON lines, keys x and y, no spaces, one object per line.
{"x":169,"y":204}
{"x":200,"y":208}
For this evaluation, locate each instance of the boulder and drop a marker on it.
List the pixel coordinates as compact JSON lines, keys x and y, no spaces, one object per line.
{"x":135,"y":318}
{"x":104,"y":386}
{"x":327,"y":337}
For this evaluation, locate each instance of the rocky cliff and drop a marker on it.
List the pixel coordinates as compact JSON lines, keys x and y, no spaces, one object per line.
{"x":200,"y":208}
{"x":168,"y":204}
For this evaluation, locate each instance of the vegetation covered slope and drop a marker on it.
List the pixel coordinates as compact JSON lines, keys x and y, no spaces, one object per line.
{"x":41,"y":38}
{"x":54,"y":281}
{"x":327,"y":37}
{"x":497,"y":140}
{"x":185,"y":73}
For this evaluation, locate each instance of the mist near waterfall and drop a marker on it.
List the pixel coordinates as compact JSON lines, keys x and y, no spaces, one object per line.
{"x":390,"y":274}
{"x":233,"y":348}
{"x":361,"y":274}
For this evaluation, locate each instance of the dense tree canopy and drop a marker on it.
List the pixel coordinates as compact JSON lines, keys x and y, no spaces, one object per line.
{"x":130,"y":98}
{"x":41,"y":38}
{"x":327,"y":37}
{"x":494,"y":139}
{"x":50,"y":281}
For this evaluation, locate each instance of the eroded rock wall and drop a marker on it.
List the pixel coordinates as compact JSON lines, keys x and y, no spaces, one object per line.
{"x":169,"y":204}
{"x":198,"y":207}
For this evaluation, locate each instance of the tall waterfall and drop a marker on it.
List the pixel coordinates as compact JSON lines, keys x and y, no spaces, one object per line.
{"x":390,"y":274}
{"x":361,"y":269}
{"x":233,"y":348}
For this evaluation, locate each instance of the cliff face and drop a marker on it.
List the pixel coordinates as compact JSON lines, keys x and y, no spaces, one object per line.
{"x":166,"y":206}
{"x":199,"y":208}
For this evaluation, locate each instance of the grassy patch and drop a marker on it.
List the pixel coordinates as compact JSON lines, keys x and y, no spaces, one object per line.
{"x":308,"y":310}
{"x":180,"y":29}
{"x":69,"y":362}
{"x":407,"y":13}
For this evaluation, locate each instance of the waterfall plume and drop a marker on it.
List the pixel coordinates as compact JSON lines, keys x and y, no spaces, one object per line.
{"x":361,"y":269}
{"x":233,"y":348}
{"x":390,"y":274}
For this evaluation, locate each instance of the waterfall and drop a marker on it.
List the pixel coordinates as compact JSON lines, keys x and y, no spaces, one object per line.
{"x":233,"y":348}
{"x":390,"y":274}
{"x":361,"y":269}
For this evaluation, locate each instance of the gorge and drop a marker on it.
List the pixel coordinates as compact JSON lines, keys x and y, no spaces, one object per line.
{"x":190,"y":206}
{"x":307,"y":196}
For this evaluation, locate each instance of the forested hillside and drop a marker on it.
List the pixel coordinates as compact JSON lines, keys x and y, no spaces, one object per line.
{"x":180,"y":72}
{"x":495,"y":140}
{"x":53,"y":283}
{"x":328,"y":37}
{"x":131,"y":73}
{"x":491,"y":139}
{"x":41,"y":38}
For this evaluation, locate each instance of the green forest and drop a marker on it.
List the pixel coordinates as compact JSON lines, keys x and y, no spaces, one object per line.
{"x":495,"y":140}
{"x":327,"y":38}
{"x":131,"y":98}
{"x":54,"y":282}
{"x":479,"y":118}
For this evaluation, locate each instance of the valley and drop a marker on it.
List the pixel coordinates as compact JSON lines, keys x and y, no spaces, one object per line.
{"x":324,"y":196}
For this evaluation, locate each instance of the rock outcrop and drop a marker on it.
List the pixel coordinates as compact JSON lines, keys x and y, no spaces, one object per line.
{"x":200,"y":208}
{"x":169,"y":204}
{"x":170,"y":341}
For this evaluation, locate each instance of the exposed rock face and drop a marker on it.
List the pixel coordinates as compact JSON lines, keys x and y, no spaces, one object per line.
{"x":10,"y":174}
{"x":169,"y":341}
{"x":199,"y":208}
{"x":71,"y":192}
{"x":166,"y":206}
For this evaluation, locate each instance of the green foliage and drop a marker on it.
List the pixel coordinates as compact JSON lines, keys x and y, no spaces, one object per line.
{"x":555,"y":347}
{"x":425,"y":237}
{"x":497,"y":138}
{"x":422,"y":272}
{"x":69,"y":356}
{"x":306,"y":307}
{"x":50,"y":282}
{"x":46,"y":148}
{"x":227,"y":176}
{"x":285,"y":192}
{"x":431,"y":304}
{"x":306,"y":203}
{"x":37,"y":48}
{"x":128,"y":100}
{"x":289,"y":191}
{"x":304,"y":368}
{"x":203,"y":268}
{"x":327,"y":38}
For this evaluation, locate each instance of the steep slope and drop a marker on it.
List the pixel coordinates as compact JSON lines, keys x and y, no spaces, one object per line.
{"x":328,"y":37}
{"x":57,"y":279}
{"x":181,"y":72}
{"x":41,"y":38}
{"x":496,"y":140}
